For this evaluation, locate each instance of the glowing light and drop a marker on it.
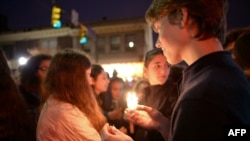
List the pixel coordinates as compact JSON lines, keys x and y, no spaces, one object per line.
{"x":132,"y":100}
{"x":130,"y":79}
{"x":131,"y":44}
{"x":22,"y":60}
{"x":83,"y":40}
{"x":126,"y":71}
{"x":57,"y":24}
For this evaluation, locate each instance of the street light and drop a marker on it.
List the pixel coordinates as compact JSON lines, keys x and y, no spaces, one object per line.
{"x":22,"y":61}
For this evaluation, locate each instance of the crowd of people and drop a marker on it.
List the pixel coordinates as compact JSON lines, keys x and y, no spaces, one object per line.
{"x":66,"y":97}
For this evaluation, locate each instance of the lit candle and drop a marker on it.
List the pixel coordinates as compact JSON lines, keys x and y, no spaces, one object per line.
{"x":132,"y":102}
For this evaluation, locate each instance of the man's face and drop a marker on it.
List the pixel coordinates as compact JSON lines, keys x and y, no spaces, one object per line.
{"x":171,"y":39}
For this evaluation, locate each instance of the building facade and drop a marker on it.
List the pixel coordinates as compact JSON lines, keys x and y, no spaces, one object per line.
{"x":118,"y":45}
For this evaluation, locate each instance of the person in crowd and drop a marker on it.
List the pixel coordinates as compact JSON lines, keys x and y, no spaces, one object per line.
{"x":70,"y":105}
{"x":214,"y":92}
{"x":116,"y":88}
{"x":232,"y":35}
{"x":162,"y":93}
{"x":103,"y":90}
{"x":70,"y":111}
{"x":100,"y":82}
{"x":15,"y":120}
{"x":31,"y":77}
{"x":139,"y":87}
{"x":115,"y":104}
{"x":242,"y":53}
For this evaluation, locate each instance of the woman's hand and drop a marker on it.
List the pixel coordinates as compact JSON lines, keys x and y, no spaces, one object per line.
{"x":110,"y":133}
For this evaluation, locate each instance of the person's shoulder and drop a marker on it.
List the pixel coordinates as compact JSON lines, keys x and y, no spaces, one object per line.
{"x":59,"y":108}
{"x":228,"y":74}
{"x":218,"y":85}
{"x":56,"y":103}
{"x":60,"y":113}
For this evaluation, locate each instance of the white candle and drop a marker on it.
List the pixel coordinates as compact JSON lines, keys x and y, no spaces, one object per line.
{"x":132,"y":102}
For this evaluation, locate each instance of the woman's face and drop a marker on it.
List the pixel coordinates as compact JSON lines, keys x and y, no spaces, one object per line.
{"x":89,"y":78}
{"x":116,"y":89}
{"x":42,"y":70}
{"x":157,"y":71}
{"x":101,"y":83}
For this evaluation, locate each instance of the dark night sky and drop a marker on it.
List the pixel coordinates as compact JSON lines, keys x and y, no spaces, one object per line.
{"x":36,"y":13}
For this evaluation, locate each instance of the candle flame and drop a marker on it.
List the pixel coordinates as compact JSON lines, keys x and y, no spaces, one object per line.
{"x":132,"y":100}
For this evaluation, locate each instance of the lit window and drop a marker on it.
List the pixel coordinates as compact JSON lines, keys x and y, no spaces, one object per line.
{"x":127,"y":71}
{"x":130,"y":43}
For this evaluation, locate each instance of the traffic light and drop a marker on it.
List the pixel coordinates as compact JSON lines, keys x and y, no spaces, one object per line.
{"x":83,"y":34}
{"x":56,"y":17}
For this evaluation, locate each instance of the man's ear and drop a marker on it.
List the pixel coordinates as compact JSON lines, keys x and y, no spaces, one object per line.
{"x":184,"y":20}
{"x":188,"y":23}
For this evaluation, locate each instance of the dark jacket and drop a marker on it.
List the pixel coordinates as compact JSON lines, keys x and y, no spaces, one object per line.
{"x":163,"y":98}
{"x":33,"y":102}
{"x":214,"y":95}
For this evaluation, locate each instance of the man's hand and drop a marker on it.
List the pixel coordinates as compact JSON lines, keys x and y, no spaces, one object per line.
{"x":148,"y":118}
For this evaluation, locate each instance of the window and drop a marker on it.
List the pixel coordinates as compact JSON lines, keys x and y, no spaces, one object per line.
{"x":101,"y":42}
{"x":115,"y":43}
{"x":49,"y":45}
